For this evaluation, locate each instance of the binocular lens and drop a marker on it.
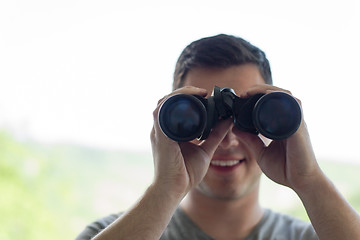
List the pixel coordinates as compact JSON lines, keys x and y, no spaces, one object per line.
{"x":277,"y":115}
{"x":182,"y":117}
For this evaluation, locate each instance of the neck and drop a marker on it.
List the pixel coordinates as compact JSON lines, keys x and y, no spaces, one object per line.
{"x":223,"y":218}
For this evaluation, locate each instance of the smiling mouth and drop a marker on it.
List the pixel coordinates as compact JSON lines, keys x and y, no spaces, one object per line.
{"x":226,"y":163}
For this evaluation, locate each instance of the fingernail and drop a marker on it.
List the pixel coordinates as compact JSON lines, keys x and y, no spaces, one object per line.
{"x":243,"y":95}
{"x":202,"y":90}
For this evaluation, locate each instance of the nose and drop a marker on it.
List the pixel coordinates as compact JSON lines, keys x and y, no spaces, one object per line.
{"x":230,"y":140}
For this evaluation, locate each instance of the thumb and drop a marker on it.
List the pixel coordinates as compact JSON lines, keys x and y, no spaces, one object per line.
{"x":216,"y":136}
{"x":254,"y":143}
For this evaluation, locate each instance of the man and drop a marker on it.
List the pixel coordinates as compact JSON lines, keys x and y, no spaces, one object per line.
{"x":209,"y":189}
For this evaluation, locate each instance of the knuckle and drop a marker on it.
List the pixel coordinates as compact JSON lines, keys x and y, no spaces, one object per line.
{"x":152,"y":135}
{"x":161,"y":100}
{"x":155,"y":113}
{"x":288,"y":92}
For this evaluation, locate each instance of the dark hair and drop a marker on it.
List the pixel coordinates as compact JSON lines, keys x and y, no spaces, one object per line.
{"x":220,"y":51}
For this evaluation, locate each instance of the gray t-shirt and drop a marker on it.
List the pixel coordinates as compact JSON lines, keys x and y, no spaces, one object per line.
{"x":273,"y":226}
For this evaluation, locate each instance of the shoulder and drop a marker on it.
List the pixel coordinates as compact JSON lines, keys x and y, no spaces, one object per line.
{"x":94,"y":228}
{"x":281,"y":226}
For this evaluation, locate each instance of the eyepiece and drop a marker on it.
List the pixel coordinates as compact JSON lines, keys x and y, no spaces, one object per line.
{"x":182,"y":117}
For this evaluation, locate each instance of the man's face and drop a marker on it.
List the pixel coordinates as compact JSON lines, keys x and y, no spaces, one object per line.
{"x":233,"y":172}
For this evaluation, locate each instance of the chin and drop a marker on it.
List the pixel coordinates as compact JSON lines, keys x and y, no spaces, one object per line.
{"x":229,"y":190}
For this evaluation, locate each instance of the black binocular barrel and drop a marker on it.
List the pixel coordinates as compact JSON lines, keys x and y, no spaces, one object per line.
{"x":275,"y":115}
{"x":182,"y":117}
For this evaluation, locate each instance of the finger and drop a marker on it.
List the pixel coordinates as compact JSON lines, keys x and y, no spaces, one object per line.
{"x":185,"y":90}
{"x":216,"y":136}
{"x":191,"y":90}
{"x":262,"y":88}
{"x":265,"y":89}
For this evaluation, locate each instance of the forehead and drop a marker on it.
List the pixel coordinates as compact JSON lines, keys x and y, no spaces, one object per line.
{"x":238,"y":78}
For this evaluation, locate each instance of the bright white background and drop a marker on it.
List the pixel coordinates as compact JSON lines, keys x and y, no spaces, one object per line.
{"x":91,"y":72}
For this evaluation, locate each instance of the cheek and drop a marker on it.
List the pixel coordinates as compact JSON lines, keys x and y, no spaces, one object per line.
{"x":253,"y":175}
{"x":253,"y":169}
{"x":257,"y":170}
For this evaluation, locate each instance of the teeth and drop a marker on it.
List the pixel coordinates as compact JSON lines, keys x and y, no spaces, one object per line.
{"x":228,"y":163}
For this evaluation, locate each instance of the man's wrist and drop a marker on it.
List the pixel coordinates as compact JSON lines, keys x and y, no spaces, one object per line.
{"x":314,"y":188}
{"x":170,"y":191}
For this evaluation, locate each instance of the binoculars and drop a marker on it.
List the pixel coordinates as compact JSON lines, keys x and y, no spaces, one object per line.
{"x":184,"y":117}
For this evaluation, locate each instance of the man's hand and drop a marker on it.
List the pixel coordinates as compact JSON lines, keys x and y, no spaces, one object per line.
{"x":181,"y":166}
{"x":178,"y":168}
{"x":291,"y":162}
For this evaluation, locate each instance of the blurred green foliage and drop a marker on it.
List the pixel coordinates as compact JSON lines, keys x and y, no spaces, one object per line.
{"x":53,"y":191}
{"x":30,"y":205}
